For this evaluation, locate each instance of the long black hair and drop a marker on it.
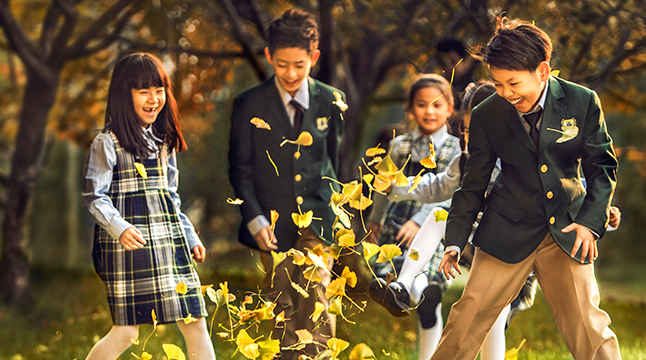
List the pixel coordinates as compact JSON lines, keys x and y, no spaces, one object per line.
{"x":139,"y":71}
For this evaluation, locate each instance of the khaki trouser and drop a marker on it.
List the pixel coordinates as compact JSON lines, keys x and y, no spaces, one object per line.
{"x":569,"y":287}
{"x":297,"y":308}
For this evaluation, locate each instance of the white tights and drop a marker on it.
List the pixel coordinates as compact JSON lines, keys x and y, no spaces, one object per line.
{"x":119,"y":339}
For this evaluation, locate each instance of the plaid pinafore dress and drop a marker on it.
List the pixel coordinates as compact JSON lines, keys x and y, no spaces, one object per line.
{"x":139,"y":281}
{"x":398,"y":213}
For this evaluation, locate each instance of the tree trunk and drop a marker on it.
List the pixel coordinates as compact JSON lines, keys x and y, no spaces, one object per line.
{"x":38,"y":100}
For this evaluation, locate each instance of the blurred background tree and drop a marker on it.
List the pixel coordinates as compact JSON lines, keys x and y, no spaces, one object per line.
{"x":56,"y":58}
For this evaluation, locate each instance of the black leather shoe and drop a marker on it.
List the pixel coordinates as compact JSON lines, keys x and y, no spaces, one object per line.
{"x":431,"y":296}
{"x":394,"y":297}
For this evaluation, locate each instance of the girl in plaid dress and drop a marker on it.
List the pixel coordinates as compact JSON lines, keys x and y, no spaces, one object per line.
{"x":430,"y":105}
{"x":143,"y":245}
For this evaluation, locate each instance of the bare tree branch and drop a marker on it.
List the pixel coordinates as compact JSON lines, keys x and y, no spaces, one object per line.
{"x":258,"y":18}
{"x":65,"y":33}
{"x":21,"y":43}
{"x":133,"y":45}
{"x":110,"y":38}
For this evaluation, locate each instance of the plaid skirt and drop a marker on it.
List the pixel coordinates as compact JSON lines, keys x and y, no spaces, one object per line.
{"x":142,"y":280}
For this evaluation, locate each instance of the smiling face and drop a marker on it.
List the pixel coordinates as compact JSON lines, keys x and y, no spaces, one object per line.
{"x":148,"y":102}
{"x":522,"y":88}
{"x":292,"y":65}
{"x":430,"y":109}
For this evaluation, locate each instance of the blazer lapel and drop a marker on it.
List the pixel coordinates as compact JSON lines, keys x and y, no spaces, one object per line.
{"x":275,"y":104}
{"x":514,"y":122}
{"x":315,"y":103}
{"x":552,"y":114}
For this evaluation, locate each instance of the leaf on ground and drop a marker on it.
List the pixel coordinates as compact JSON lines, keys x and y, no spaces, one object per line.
{"x":361,"y":351}
{"x":337,"y":345}
{"x":269,"y":348}
{"x":173,"y":352}
{"x":246,"y":345}
{"x":512,"y":354}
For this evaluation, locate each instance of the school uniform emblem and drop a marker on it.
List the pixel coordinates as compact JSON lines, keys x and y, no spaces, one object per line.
{"x":568,"y":131}
{"x":321,"y":123}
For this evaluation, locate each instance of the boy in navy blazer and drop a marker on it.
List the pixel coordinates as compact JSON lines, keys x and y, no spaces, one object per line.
{"x":538,"y":216}
{"x":269,"y":175}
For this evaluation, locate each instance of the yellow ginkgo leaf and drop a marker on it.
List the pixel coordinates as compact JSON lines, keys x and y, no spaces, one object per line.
{"x":367,"y":178}
{"x":335,"y":251}
{"x":387,"y":252}
{"x":387,"y":167}
{"x":305,"y":139}
{"x":318,"y":250}
{"x":401,"y":179}
{"x":274,"y":218}
{"x":141,"y":169}
{"x":299,"y":257}
{"x":512,"y":354}
{"x":181,"y":288}
{"x":345,"y":238}
{"x":234,"y":202}
{"x":278,"y":257}
{"x":336,"y":346}
{"x":416,"y":180}
{"x":303,"y":220}
{"x":375,"y":160}
{"x":336,"y":287}
{"x":339,"y":101}
{"x":300,"y":290}
{"x":336,"y":306}
{"x":246,"y":345}
{"x":145,"y":356}
{"x":173,"y":352}
{"x":318,"y":310}
{"x":369,"y":250}
{"x":154,"y":316}
{"x":361,"y":204}
{"x":260,"y":123}
{"x":414,"y":253}
{"x":361,"y":351}
{"x":382,"y":183}
{"x":304,"y":336}
{"x":441,"y":215}
{"x":350,"y":277}
{"x":429,"y":161}
{"x":189,"y":319}
{"x":374,"y":151}
{"x":280,"y":317}
{"x":318,"y":261}
{"x":312,"y":274}
{"x":555,"y":72}
{"x":269,"y":348}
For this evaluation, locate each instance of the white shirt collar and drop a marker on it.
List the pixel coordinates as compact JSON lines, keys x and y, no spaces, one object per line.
{"x":302,"y":94}
{"x":438,"y":138}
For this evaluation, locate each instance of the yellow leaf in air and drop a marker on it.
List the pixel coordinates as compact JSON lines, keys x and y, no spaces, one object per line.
{"x":339,"y":101}
{"x":141,"y":169}
{"x":246,"y":345}
{"x":368,"y":178}
{"x":336,"y":306}
{"x":387,"y":167}
{"x":335,"y":251}
{"x":336,"y":346}
{"x":416,"y":180}
{"x":272,"y":163}
{"x":234,"y":202}
{"x":269,"y":348}
{"x":555,"y":72}
{"x":429,"y":161}
{"x":318,"y":260}
{"x":388,"y":252}
{"x":173,"y":352}
{"x":260,"y":123}
{"x":318,"y":310}
{"x":278,"y":257}
{"x":512,"y":354}
{"x":189,"y":319}
{"x":336,"y":287}
{"x":414,"y":253}
{"x":350,"y":277}
{"x":361,"y":351}
{"x":318,"y":250}
{"x":154,"y":316}
{"x":304,"y":138}
{"x":345,"y":238}
{"x":312,"y":274}
{"x":369,"y":250}
{"x":375,"y":160}
{"x":441,"y":215}
{"x":204,"y":287}
{"x":299,"y":257}
{"x":402,"y":180}
{"x":361,"y":204}
{"x":382,"y":183}
{"x":300,"y":290}
{"x":274,"y":218}
{"x":304,"y":336}
{"x":303,"y":220}
{"x":374,"y":151}
{"x":280,"y":317}
{"x":181,"y":288}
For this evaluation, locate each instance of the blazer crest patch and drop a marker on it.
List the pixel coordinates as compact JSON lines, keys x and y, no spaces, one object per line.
{"x":568,"y":131}
{"x":322,"y":123}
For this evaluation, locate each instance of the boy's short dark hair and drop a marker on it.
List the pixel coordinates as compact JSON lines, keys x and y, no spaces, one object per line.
{"x":294,"y":28}
{"x":516,"y":45}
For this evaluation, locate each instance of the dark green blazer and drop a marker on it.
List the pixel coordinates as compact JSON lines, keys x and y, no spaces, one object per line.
{"x":300,"y":180}
{"x":537,"y":190}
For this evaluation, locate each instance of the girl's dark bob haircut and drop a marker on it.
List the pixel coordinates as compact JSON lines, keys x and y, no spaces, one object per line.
{"x":141,"y":71}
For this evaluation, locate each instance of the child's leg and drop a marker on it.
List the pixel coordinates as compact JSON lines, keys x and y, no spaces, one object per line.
{"x":426,"y":241}
{"x":494,"y":345}
{"x":198,"y":342}
{"x":114,"y":343}
{"x":429,"y":338}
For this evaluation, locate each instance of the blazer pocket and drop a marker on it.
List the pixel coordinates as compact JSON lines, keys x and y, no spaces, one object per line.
{"x":504,"y":207}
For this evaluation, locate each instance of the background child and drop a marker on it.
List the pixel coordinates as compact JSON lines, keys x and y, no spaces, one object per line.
{"x":290,"y":102}
{"x":430,"y":104}
{"x":539,"y":217}
{"x":142,"y":242}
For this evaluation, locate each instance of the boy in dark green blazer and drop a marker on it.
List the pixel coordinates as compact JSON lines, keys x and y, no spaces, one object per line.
{"x":269,"y":175}
{"x":538,"y":216}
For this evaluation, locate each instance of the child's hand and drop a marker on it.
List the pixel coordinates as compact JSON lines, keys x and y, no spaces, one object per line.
{"x":266,"y":239}
{"x":584,"y":240}
{"x":199,"y":253}
{"x":132,"y":239}
{"x":375,"y":232}
{"x":615,"y":217}
{"x":407,"y":233}
{"x":449,"y":259}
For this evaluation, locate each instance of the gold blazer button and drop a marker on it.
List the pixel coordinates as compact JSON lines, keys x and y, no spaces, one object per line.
{"x":552,"y":220}
{"x":299,"y":200}
{"x":544,"y":168}
{"x":298,"y":178}
{"x":550,"y":195}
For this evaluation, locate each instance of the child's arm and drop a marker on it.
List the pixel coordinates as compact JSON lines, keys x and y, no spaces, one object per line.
{"x":97,"y":174}
{"x":194,"y":242}
{"x":433,"y":188}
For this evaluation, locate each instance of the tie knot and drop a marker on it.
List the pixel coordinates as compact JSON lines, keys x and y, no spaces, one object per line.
{"x":532,"y":118}
{"x":296,"y":105}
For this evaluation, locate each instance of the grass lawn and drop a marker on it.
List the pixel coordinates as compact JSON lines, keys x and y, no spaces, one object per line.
{"x":70,"y":314}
